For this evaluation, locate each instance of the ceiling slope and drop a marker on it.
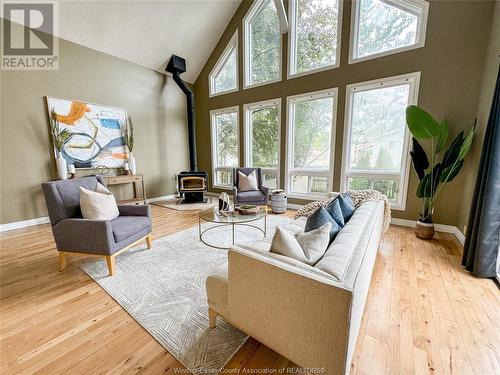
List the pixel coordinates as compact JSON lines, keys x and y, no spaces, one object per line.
{"x":148,"y":32}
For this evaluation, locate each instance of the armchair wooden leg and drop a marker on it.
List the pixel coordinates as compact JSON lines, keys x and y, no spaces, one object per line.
{"x":110,"y":259}
{"x":148,"y":241}
{"x":212,"y":318}
{"x":62,"y":260}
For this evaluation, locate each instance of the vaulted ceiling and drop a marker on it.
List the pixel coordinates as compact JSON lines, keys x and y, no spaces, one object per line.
{"x":148,"y":32}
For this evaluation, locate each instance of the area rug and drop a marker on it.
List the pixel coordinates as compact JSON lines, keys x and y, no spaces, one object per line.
{"x":163,"y":289}
{"x":174,"y":204}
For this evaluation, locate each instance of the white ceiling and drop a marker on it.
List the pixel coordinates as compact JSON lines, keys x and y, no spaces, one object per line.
{"x":149,"y":32}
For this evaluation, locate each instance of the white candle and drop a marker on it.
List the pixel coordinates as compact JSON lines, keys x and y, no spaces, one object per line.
{"x":126,"y":167}
{"x":71,"y":168}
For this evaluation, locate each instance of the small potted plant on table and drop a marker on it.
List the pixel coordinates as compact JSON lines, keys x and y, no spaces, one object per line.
{"x":59,"y":136}
{"x":434,"y":173}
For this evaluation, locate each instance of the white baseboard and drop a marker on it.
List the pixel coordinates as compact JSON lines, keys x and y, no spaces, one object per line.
{"x":162,"y":198}
{"x":24,"y":223}
{"x":438,"y":227}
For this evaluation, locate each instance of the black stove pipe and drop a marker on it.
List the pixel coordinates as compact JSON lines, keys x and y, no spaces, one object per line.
{"x":177,"y":66}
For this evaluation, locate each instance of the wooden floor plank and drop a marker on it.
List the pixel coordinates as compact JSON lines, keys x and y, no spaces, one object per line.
{"x":424,"y":313}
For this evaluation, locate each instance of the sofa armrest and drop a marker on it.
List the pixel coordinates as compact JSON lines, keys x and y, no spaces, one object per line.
{"x":84,"y":236}
{"x":235,"y":193}
{"x":301,"y":316}
{"x":135,"y":210}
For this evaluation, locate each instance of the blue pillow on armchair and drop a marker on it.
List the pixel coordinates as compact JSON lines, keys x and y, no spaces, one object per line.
{"x":319,"y":218}
{"x":335,"y":212}
{"x":346,"y":205}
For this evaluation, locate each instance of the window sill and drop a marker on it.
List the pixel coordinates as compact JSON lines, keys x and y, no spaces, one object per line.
{"x":308,"y":197}
{"x":223,"y":92}
{"x":222,"y":187}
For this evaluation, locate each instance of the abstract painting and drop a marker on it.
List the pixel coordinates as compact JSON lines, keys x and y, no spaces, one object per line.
{"x":96,"y":133}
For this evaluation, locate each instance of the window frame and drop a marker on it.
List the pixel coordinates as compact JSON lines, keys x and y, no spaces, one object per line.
{"x":254,"y":9}
{"x":247,"y":108}
{"x":232,"y":45}
{"x":403,"y":175}
{"x":289,"y":170}
{"x":420,"y":8}
{"x":292,"y":45}
{"x":213,"y":144}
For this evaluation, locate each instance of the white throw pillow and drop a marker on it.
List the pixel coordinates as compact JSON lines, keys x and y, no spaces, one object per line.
{"x":99,"y":204}
{"x":308,"y":247}
{"x":247,"y":183}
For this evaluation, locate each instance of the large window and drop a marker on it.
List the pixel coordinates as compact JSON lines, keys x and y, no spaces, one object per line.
{"x":314,"y":35}
{"x":262,"y":139}
{"x":224,"y":75}
{"x":376,"y":138}
{"x":383,"y":27}
{"x":225,"y":145}
{"x":311,"y":129}
{"x":262,"y":44}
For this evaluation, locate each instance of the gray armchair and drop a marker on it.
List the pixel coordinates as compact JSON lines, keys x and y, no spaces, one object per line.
{"x":256,"y":197}
{"x":77,"y":236}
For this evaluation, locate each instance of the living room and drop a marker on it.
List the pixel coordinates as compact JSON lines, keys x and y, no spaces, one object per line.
{"x":283,"y":186}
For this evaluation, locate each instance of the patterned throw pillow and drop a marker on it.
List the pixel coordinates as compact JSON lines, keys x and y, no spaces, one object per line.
{"x":333,"y":208}
{"x":319,"y":218}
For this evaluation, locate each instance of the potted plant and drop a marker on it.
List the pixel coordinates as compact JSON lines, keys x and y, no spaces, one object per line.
{"x":59,"y":137}
{"x":436,"y":172}
{"x":128,"y":136}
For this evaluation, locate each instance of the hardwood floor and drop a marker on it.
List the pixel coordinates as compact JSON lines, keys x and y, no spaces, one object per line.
{"x":424,"y":313}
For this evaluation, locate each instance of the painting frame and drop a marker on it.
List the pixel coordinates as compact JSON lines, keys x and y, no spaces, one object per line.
{"x":116,"y":124}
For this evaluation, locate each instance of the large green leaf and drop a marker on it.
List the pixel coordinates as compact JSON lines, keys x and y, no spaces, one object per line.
{"x":419,"y":159}
{"x":422,"y":186}
{"x":451,"y":171}
{"x":429,"y":183}
{"x":421,"y":124}
{"x":464,"y":149}
{"x":443,"y":136}
{"x":436,"y":175}
{"x":452,"y":153}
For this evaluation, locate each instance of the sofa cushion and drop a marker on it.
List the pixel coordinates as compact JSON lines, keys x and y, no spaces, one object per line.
{"x":333,"y":208}
{"x":216,"y":286}
{"x":306,"y":247}
{"x":251,"y":196}
{"x":339,"y":254}
{"x":319,"y":218}
{"x":126,"y":226}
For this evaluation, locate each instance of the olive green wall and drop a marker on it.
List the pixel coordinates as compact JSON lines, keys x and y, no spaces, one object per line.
{"x":451,"y":64}
{"x":155,"y":103}
{"x":490,"y":71}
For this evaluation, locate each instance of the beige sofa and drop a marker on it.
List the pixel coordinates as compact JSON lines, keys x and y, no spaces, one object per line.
{"x":310,"y":315}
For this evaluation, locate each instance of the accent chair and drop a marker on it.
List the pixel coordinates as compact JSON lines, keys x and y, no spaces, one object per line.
{"x":75,"y":235}
{"x":253,"y":197}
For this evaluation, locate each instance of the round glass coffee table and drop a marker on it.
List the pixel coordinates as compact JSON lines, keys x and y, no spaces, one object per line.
{"x":212,"y":215}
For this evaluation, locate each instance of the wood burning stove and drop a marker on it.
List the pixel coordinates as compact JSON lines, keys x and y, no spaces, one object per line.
{"x":192,"y":184}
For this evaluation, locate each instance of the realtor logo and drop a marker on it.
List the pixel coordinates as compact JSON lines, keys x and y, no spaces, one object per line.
{"x":28,"y":41}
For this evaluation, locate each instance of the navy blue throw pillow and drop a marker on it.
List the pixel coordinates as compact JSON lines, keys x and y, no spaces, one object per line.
{"x":319,"y":218}
{"x":346,"y":205}
{"x":336,"y":212}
